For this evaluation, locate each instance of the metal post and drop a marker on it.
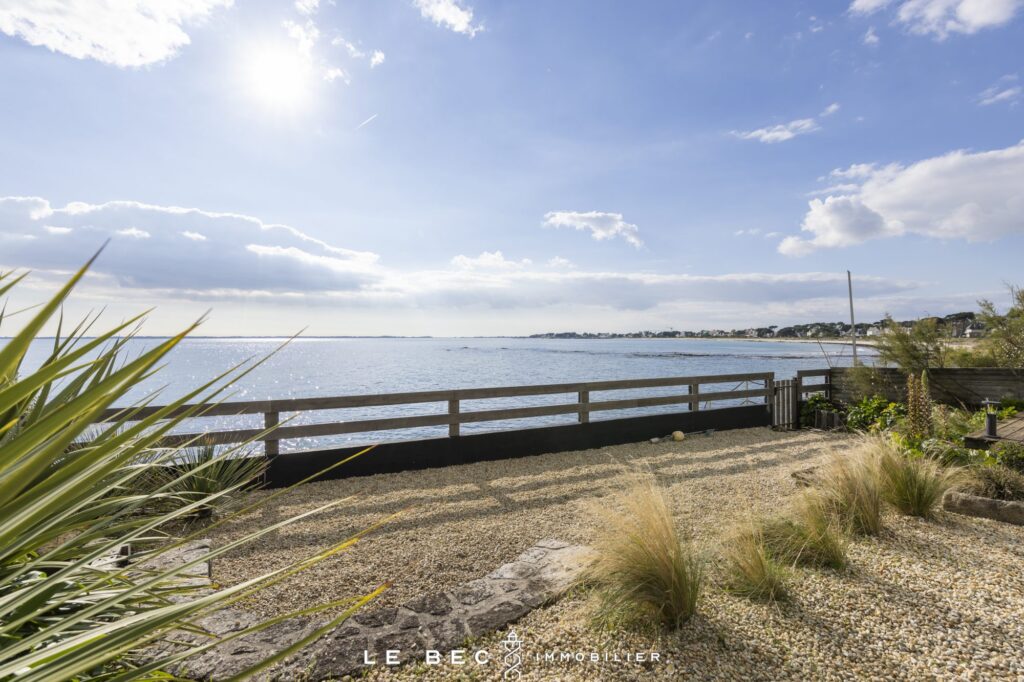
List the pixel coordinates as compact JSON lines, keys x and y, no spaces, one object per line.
{"x":453,"y":410}
{"x":853,"y":326}
{"x":271,"y":447}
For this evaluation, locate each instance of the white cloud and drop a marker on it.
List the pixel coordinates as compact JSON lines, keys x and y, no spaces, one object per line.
{"x":305,"y":35}
{"x":1004,"y":90}
{"x":781,"y":132}
{"x":853,"y":172}
{"x":307,"y":7}
{"x":129,"y":33}
{"x":352,"y":49}
{"x":752,"y":232}
{"x":870,"y":37}
{"x":489,"y":260}
{"x":960,"y":195}
{"x":449,"y":14}
{"x":156,"y":247}
{"x":377,"y":58}
{"x":601,"y":225}
{"x":333,"y":73}
{"x":786,"y":131}
{"x":940,"y":18}
{"x":288,"y":280}
{"x":366,"y":122}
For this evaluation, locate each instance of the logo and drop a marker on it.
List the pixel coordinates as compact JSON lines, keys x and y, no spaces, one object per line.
{"x":513,"y":659}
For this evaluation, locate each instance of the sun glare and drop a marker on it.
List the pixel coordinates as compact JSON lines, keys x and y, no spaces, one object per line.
{"x":279,"y":78}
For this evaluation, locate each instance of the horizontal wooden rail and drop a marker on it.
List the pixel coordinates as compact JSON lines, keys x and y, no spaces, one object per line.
{"x":382,"y":399}
{"x":455,"y":415}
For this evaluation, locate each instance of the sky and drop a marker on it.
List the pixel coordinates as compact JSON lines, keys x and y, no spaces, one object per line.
{"x":479,"y":167}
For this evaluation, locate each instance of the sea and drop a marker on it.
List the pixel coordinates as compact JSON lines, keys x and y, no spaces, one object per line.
{"x":318,"y":367}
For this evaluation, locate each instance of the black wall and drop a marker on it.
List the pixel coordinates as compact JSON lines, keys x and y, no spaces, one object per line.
{"x":287,"y":469}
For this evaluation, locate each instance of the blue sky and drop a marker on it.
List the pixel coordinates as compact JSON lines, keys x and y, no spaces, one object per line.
{"x":480,"y":167}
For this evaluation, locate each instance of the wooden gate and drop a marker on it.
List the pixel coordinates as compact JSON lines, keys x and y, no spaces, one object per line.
{"x":786,"y":404}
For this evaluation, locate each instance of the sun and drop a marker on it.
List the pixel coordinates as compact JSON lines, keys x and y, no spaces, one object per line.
{"x":278,"y":77}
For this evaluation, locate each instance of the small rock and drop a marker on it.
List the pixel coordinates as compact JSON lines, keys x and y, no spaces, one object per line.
{"x":655,"y":440}
{"x":678,"y":435}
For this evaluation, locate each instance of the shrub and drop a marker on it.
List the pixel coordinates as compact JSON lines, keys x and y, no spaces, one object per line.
{"x":874,"y":413}
{"x":1009,"y":455}
{"x":215,"y":480}
{"x":848,"y":489}
{"x":914,"y":485}
{"x":913,"y":349}
{"x":817,"y":402}
{"x":996,"y":482}
{"x":750,"y":569}
{"x":643,"y":568}
{"x":807,"y":536}
{"x":67,"y":500}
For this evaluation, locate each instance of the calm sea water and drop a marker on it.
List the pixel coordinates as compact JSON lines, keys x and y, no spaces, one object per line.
{"x":331,"y":367}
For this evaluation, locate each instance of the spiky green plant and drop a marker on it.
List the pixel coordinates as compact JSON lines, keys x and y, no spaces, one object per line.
{"x":68,"y":498}
{"x":201,"y":473}
{"x":644,"y":569}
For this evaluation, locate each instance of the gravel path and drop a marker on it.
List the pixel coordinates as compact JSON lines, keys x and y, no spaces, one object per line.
{"x":929,"y":599}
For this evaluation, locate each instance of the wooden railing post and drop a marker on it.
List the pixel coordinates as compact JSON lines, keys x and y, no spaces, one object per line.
{"x":453,"y":411}
{"x":271,"y":447}
{"x":694,"y":401}
{"x":769,"y":392}
{"x":798,"y":396}
{"x":584,"y":401}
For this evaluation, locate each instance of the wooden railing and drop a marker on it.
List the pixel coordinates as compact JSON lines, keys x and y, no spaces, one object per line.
{"x":583,"y":406}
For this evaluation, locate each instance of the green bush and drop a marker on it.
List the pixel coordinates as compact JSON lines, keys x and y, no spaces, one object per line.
{"x":874,"y":413}
{"x":996,"y":482}
{"x":1008,"y":454}
{"x":817,"y":402}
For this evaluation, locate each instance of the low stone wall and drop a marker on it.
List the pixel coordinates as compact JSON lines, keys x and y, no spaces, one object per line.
{"x":434,"y":621}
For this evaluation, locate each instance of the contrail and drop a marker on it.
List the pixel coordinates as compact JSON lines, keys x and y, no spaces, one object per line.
{"x":367,"y":121}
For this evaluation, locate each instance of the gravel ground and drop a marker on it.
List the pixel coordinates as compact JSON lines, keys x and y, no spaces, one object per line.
{"x":942,"y":599}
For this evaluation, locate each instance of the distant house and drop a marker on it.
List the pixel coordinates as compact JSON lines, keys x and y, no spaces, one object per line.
{"x":874,"y":330}
{"x":975,"y":331}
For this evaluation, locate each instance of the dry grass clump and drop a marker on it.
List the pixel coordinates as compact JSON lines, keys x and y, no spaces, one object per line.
{"x":849,"y":491}
{"x":807,"y":536}
{"x":913,"y":485}
{"x":750,"y":569}
{"x":644,"y":569}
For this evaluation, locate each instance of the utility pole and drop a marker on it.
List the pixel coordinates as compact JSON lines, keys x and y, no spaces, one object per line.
{"x":853,"y":326}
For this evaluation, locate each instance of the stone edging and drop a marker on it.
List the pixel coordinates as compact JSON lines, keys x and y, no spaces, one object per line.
{"x":435,"y":621}
{"x":985,"y":507}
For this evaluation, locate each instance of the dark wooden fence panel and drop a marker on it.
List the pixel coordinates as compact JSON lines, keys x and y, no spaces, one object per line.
{"x":291,"y":468}
{"x":956,"y":386}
